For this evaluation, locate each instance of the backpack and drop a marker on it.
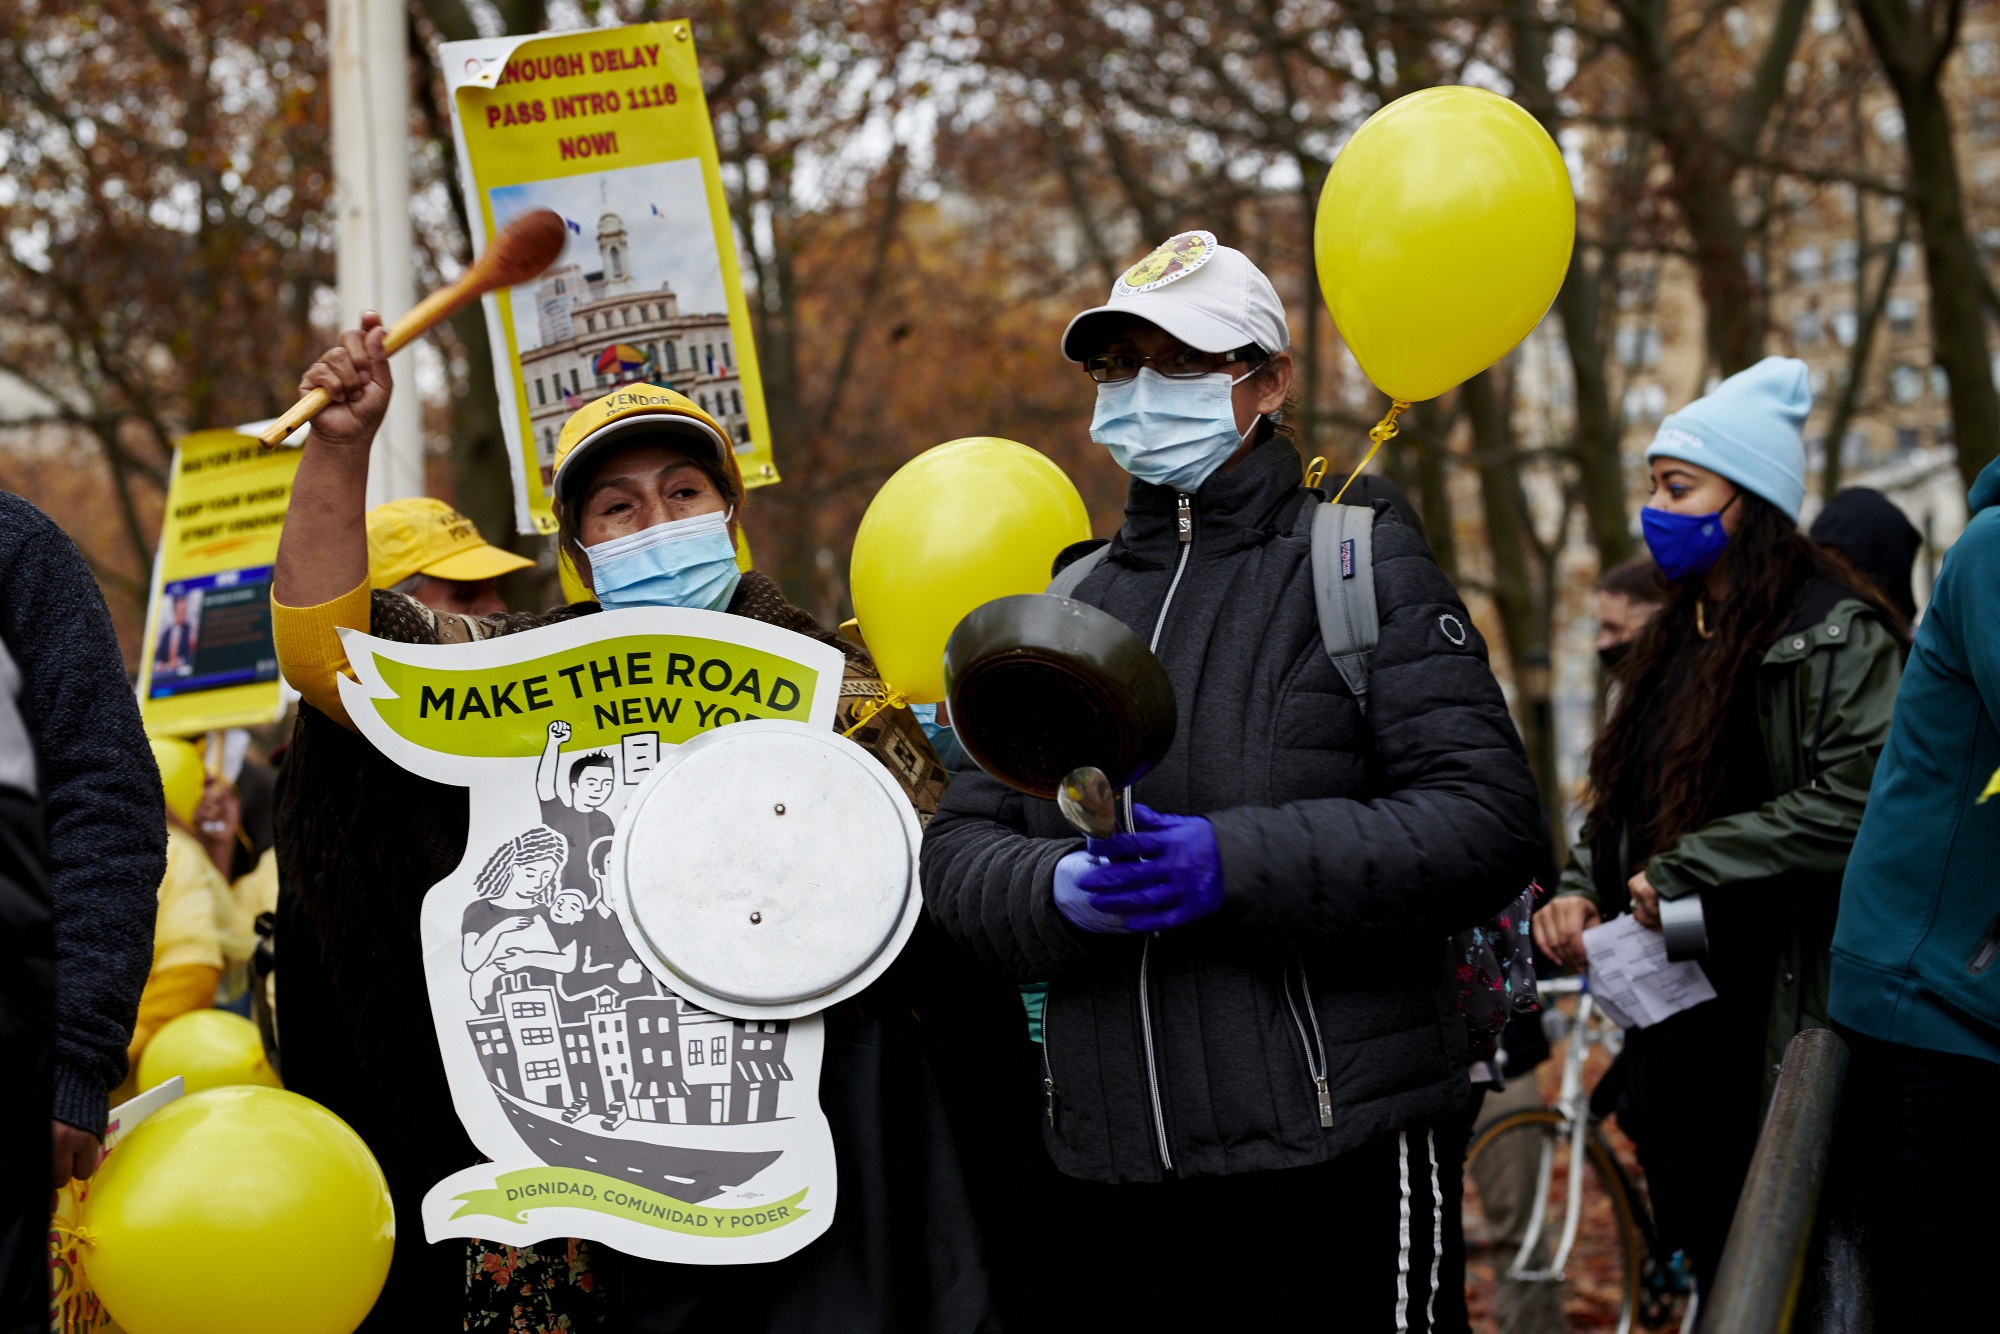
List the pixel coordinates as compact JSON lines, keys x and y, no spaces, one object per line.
{"x":1494,"y":964}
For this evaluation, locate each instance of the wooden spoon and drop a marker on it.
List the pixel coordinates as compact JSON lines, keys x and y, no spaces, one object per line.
{"x":524,"y":247}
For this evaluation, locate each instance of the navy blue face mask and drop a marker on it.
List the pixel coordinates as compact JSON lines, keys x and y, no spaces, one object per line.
{"x":1685,"y":546}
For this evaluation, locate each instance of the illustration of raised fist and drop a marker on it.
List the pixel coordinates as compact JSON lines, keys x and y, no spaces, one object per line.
{"x":558,"y":731}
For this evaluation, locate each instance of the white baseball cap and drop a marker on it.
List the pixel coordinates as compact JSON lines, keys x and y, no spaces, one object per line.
{"x":1206,"y":294}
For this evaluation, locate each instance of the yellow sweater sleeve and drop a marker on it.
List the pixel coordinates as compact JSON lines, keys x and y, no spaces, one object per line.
{"x":309,"y":651}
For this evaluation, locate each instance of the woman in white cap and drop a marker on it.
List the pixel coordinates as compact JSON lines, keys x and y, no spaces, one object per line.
{"x":646,"y":489}
{"x":1250,"y":1056}
{"x":1734,"y":768}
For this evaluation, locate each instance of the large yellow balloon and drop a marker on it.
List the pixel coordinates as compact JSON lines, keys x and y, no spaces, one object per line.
{"x":1444,"y":232}
{"x":181,"y":775}
{"x":208,"y":1049}
{"x":239,"y":1211}
{"x":958,"y":525}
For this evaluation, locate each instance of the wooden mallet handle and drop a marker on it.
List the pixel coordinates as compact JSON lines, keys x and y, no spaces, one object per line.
{"x":524,"y":248}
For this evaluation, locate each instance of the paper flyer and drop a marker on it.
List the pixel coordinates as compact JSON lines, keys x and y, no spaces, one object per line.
{"x":1631,"y":978}
{"x":612,"y":1108}
{"x":209,"y":661}
{"x":608,"y":127}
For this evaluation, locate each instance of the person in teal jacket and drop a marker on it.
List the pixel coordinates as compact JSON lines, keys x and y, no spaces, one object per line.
{"x":1916,"y":957}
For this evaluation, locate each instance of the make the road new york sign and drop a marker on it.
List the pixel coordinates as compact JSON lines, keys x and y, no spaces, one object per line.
{"x":612,"y":1108}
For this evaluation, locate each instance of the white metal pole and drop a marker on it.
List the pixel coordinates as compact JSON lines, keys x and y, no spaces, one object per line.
{"x":371,"y":182}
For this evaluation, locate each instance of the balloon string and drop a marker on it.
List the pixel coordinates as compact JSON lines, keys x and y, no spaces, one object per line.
{"x":891,"y":699}
{"x":1381,"y":431}
{"x":82,"y":1236}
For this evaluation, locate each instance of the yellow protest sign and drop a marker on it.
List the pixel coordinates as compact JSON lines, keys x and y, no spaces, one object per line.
{"x":610,"y":129}
{"x":208,"y":659}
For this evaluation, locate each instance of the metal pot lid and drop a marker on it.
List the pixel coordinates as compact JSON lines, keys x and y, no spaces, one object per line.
{"x":768,"y":869}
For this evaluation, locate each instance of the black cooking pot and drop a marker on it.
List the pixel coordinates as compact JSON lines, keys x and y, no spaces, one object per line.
{"x":1040,"y":685}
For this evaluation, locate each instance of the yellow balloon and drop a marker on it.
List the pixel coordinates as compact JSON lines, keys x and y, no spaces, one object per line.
{"x":1444,"y":232}
{"x":958,"y":525}
{"x":239,"y":1211}
{"x":208,"y":1049}
{"x":181,"y":774}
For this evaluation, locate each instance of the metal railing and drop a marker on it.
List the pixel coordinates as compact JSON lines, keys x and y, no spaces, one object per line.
{"x":1764,"y":1263}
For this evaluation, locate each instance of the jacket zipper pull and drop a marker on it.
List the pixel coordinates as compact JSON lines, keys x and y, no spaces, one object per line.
{"x":1049,"y":1092}
{"x":1988,"y":948}
{"x":1325,"y":1104}
{"x":1185,"y":516}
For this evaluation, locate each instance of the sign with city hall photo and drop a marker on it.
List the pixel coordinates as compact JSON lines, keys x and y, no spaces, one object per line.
{"x":609,"y":128}
{"x":628,"y":1087}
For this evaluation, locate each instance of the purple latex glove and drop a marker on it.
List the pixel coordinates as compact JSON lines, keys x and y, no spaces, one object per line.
{"x":1074,"y":904}
{"x":1167,"y":874}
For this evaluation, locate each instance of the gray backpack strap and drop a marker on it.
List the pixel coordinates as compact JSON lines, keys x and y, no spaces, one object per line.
{"x":1074,"y":573}
{"x":1343,"y":570}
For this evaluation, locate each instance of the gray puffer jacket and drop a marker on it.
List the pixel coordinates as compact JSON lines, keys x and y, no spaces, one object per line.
{"x":1314,"y":1010}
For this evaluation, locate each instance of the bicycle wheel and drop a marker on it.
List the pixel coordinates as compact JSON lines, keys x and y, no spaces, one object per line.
{"x":1599,"y":1286}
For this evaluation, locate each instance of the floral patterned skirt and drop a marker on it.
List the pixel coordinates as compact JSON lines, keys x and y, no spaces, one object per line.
{"x":535,"y":1289}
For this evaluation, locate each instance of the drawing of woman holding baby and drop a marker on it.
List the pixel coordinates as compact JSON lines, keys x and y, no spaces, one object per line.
{"x":506,"y":928}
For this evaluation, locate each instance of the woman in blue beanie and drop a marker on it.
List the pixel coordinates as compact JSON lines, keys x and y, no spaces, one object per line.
{"x":1734,"y":766}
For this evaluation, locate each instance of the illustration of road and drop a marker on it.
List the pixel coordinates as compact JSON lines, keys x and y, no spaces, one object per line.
{"x":688,"y":1175}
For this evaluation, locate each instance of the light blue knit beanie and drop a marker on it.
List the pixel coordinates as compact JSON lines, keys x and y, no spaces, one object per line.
{"x":1749,"y":430}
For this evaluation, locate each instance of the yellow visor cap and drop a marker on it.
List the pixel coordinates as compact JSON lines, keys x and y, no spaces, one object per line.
{"x":630,"y":411}
{"x":425,"y":536}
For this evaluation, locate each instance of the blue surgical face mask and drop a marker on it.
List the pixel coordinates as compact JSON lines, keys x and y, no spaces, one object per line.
{"x":944,"y":740}
{"x":1685,"y":546}
{"x":1165,"y":431}
{"x":686,"y":563}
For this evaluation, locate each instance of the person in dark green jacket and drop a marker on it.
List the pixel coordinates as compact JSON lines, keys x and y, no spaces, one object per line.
{"x":1916,"y":958}
{"x":1735,"y":765}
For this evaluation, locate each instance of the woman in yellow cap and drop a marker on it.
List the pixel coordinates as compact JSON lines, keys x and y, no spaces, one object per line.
{"x":427,"y":549}
{"x":647,"y":493}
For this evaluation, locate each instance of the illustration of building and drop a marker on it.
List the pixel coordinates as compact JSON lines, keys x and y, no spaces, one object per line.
{"x":760,"y":1067}
{"x":528,"y":1023}
{"x":583,"y":318}
{"x":489,"y":1039}
{"x":656,"y":1094}
{"x":647,"y":1058}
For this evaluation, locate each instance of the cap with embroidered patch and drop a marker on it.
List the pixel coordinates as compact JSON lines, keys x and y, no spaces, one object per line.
{"x":1206,"y":294}
{"x":634,"y":410}
{"x":425,"y":536}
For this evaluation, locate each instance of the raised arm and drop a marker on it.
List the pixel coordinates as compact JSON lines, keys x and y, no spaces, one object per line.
{"x":321,"y":583}
{"x":549,"y":769}
{"x":324,"y":549}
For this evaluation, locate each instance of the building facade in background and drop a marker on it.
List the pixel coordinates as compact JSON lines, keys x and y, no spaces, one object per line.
{"x":599,"y":330}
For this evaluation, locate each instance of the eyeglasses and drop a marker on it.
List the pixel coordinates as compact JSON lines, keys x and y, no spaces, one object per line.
{"x":1181,"y":364}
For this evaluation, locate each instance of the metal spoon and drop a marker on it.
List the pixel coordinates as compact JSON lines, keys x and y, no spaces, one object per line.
{"x":1086,"y":801}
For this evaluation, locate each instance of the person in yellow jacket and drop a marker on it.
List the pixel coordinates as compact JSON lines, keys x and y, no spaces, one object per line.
{"x":188,"y":935}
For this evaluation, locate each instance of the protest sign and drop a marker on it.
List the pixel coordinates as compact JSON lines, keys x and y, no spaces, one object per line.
{"x":209,"y":661}
{"x":613,"y":1107}
{"x":609,"y":128}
